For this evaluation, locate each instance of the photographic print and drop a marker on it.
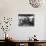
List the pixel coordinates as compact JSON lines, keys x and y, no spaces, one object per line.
{"x":26,"y":19}
{"x":36,"y":3}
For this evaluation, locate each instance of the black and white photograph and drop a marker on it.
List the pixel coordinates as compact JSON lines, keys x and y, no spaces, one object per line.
{"x":26,"y":19}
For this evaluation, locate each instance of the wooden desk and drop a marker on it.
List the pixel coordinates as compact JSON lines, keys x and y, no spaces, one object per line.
{"x":28,"y":43}
{"x":31,"y":43}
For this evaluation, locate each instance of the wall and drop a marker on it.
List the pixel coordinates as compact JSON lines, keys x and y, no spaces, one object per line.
{"x":11,"y":8}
